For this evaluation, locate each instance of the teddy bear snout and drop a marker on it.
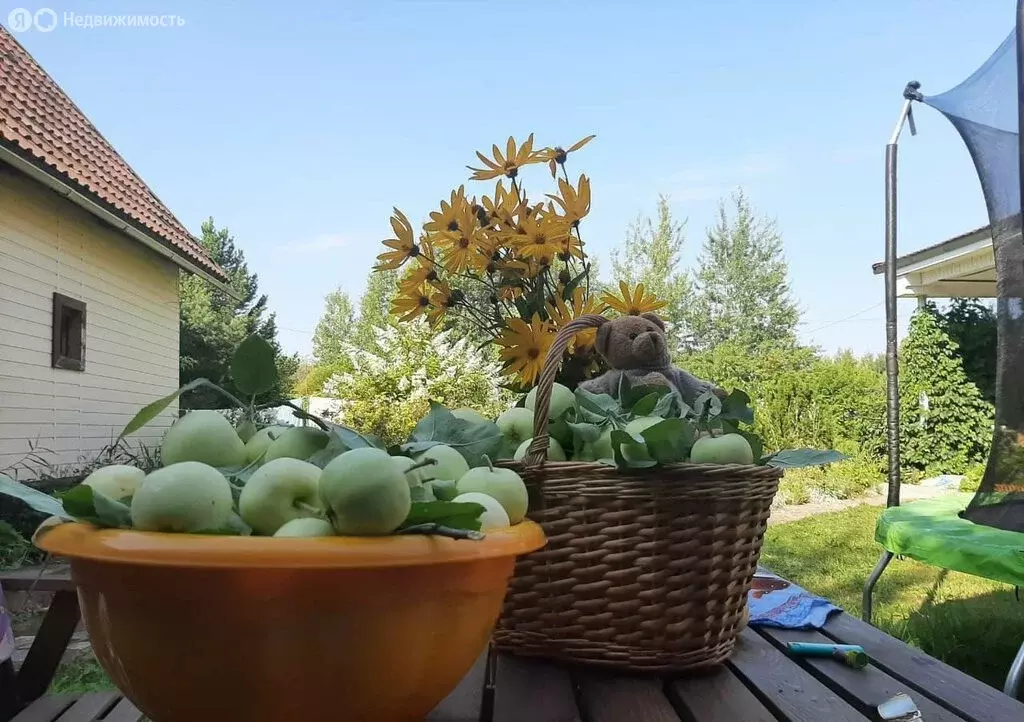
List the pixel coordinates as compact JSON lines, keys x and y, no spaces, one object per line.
{"x":649,"y":345}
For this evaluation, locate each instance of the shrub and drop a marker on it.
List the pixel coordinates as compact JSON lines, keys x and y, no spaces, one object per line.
{"x":844,"y":480}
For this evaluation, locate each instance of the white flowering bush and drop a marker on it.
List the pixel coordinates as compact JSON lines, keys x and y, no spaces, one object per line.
{"x":390,"y":388}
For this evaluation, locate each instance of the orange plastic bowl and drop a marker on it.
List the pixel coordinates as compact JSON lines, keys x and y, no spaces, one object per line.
{"x":194,"y":628}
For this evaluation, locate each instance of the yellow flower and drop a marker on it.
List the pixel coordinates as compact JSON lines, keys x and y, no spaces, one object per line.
{"x":403,"y":244}
{"x":540,"y":238}
{"x":633,"y":303}
{"x":575,"y":203}
{"x":508,"y":164}
{"x":411,"y":302}
{"x":441,"y":300}
{"x":465,"y":247}
{"x":525,"y":347}
{"x":562,"y":313}
{"x":447,"y":218}
{"x":556,"y":156}
{"x":423,"y":272}
{"x":503,"y":207}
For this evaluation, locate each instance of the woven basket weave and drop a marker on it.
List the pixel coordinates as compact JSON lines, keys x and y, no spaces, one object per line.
{"x":644,"y":570}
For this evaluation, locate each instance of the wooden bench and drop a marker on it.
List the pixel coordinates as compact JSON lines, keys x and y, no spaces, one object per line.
{"x":760,"y":682}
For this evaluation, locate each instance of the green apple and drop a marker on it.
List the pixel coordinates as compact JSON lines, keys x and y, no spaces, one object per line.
{"x":724,"y":449}
{"x":297,"y":442}
{"x":601,"y":448}
{"x":450,"y":463}
{"x":279,"y":491}
{"x":416,"y":471}
{"x":555,"y":450}
{"x":117,"y":481}
{"x":443,"y":489}
{"x":516,"y":425}
{"x":470,"y":415}
{"x":260,"y":442}
{"x":638,"y":452}
{"x":562,"y":399}
{"x":364,"y":492}
{"x":204,"y":436}
{"x":305,"y":527}
{"x":493,"y":516}
{"x":188,"y":496}
{"x":504,"y":485}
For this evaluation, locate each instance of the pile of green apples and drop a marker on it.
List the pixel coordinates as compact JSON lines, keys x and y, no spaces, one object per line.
{"x":359,"y":492}
{"x":587,"y":423}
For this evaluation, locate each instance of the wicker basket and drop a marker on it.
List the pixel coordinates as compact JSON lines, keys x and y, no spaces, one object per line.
{"x":644,"y":570}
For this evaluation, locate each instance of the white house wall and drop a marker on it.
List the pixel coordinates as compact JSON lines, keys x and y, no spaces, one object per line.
{"x":48,"y":244}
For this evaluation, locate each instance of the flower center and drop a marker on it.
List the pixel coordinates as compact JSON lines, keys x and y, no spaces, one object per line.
{"x":453,"y":226}
{"x":533,"y":353}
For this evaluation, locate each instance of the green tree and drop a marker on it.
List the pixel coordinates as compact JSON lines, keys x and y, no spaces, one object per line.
{"x":375,"y":307}
{"x":333,"y":328}
{"x":742,"y":291}
{"x":213,"y":323}
{"x":972,"y":325}
{"x":945,"y":424}
{"x":651,"y":256}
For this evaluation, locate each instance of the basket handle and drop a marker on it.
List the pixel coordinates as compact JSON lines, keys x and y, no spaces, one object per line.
{"x":538,"y":450}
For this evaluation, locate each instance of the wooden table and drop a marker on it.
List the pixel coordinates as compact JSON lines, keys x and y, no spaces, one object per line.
{"x":760,"y":683}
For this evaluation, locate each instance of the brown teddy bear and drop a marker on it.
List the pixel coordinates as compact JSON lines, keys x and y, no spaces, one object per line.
{"x":635,"y":346}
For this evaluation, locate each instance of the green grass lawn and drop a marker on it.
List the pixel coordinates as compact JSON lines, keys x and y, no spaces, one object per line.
{"x":971,"y":623}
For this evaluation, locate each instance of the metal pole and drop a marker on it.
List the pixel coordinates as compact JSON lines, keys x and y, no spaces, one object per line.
{"x":891,"y":325}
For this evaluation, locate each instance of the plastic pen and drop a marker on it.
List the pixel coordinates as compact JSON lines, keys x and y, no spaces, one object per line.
{"x":852,"y":655}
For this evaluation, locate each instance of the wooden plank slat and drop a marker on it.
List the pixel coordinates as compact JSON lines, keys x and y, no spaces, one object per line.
{"x":719,"y":697}
{"x":48,"y":647}
{"x":970,"y":698}
{"x":794,"y":692}
{"x":867,"y":687}
{"x":534,"y":691}
{"x":124,"y":711}
{"x":89,"y":707}
{"x":45,"y":709}
{"x":466,"y":701}
{"x":605,"y":698}
{"x":21,"y":580}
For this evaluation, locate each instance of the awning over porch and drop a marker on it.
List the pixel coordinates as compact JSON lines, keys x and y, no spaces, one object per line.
{"x":961,"y":267}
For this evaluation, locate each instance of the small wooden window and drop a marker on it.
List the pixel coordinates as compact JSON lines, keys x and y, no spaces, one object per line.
{"x":68,"y":333}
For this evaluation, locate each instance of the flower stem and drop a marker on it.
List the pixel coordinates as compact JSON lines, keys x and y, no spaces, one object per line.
{"x":442,"y":530}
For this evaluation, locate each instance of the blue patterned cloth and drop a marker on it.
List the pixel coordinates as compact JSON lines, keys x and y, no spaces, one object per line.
{"x":776,"y":602}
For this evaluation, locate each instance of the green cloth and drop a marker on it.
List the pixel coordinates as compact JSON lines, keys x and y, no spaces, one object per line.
{"x":931,"y":532}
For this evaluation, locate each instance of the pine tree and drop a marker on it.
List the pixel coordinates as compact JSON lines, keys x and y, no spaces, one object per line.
{"x":945,"y":424}
{"x":333,"y":328}
{"x":651,"y":256}
{"x":742,"y":291}
{"x":213,"y":323}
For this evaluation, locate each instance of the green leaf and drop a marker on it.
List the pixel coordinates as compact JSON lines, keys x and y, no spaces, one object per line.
{"x":670,"y":405}
{"x":37,"y":500}
{"x":648,"y":403}
{"x":246,"y":430}
{"x":234,"y":527}
{"x":707,"y":407}
{"x":620,"y":437}
{"x":458,"y":515}
{"x":583,"y":434}
{"x":795,"y":458}
{"x":422,"y":493}
{"x":85,"y":504}
{"x":153,"y":409}
{"x":561,"y":432}
{"x":737,"y":406}
{"x":253,"y":368}
{"x":472,"y":439}
{"x":10,"y":535}
{"x":443,"y":489}
{"x":352,"y":439}
{"x":601,"y":406}
{"x":669,"y":441}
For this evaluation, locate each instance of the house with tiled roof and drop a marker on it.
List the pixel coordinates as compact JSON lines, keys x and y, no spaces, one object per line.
{"x":90,"y":260}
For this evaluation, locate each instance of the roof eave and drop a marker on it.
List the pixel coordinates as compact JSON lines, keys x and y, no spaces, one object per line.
{"x":957,"y":244}
{"x":107,"y":213}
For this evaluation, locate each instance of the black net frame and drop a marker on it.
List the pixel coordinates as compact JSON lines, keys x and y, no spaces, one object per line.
{"x":986,"y":110}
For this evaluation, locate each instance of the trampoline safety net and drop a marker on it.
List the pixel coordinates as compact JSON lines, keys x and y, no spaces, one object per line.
{"x":984,"y":109}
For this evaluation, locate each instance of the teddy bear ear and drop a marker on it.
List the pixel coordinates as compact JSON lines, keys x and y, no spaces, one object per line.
{"x":654,"y":318}
{"x":604,"y":334}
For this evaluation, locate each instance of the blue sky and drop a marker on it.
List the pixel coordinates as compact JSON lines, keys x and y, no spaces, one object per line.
{"x":299,"y":125}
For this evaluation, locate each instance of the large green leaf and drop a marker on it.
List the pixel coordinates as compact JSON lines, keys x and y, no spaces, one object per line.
{"x":352,"y":439}
{"x":37,"y":500}
{"x":153,"y":409}
{"x":646,"y":405}
{"x":457,"y":515}
{"x":794,"y":458}
{"x":86,"y":504}
{"x":669,"y":441}
{"x":670,"y":406}
{"x":737,"y":406}
{"x":253,"y":368}
{"x":620,"y":437}
{"x":472,"y":439}
{"x":595,"y":408}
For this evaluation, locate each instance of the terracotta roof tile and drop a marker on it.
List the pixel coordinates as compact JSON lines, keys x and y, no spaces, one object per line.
{"x":41,"y":124}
